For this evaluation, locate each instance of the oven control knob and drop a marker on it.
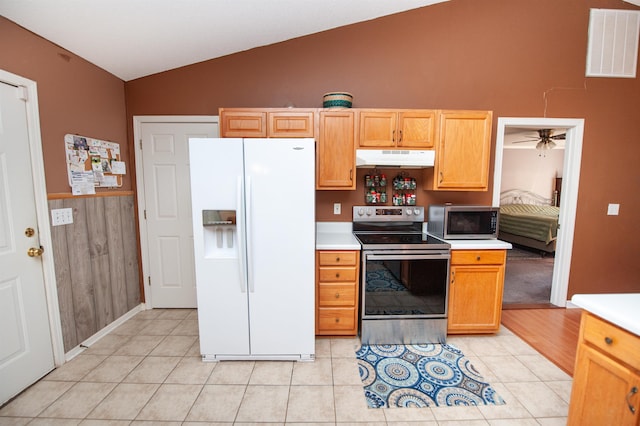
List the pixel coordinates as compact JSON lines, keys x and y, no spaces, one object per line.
{"x":369,"y":212}
{"x":416,"y":212}
{"x":360,"y":211}
{"x":409,"y":212}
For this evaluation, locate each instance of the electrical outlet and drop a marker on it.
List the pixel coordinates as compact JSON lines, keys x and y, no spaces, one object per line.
{"x":61,"y":216}
{"x":613,"y":209}
{"x":337,"y":208}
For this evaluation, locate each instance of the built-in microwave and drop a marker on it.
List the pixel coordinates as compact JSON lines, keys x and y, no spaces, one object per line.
{"x":458,"y":222}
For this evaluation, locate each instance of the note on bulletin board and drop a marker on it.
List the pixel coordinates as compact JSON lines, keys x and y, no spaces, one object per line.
{"x":93,"y":163}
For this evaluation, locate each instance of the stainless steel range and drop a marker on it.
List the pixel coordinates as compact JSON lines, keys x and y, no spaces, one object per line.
{"x":405,"y":277}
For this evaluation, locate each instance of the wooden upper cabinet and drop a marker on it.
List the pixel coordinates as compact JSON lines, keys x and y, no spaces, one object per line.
{"x":290,"y":124}
{"x":396,"y":128}
{"x":335,"y":155}
{"x":266,"y":122}
{"x":463,"y":150}
{"x":236,"y":123}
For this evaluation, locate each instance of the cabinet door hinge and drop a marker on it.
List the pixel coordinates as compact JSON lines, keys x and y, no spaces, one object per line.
{"x":149,"y":281}
{"x":144,"y":212}
{"x":140,"y":144}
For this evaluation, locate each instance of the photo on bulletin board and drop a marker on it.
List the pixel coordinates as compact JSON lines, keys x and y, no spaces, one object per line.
{"x":92,"y":163}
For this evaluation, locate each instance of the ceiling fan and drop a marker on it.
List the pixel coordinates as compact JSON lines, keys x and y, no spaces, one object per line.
{"x":545,"y":139}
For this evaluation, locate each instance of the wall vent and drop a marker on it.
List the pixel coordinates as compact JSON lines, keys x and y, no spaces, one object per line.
{"x":613,"y":43}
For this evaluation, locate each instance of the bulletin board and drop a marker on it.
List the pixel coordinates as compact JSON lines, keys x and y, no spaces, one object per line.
{"x":92,"y":163}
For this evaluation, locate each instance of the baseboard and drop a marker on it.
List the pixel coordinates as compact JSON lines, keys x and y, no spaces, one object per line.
{"x":571,"y":305}
{"x":86,"y":344}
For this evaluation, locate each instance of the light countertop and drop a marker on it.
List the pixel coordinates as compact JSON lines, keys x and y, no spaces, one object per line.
{"x":479,"y":245}
{"x":621,"y":309}
{"x":335,"y":236}
{"x":338,"y":236}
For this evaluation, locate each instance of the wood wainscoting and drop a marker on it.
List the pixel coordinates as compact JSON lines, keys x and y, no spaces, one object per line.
{"x":96,"y":263}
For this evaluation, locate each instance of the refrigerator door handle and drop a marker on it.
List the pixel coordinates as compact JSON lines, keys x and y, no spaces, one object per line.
{"x":249,"y":231}
{"x":242,"y":255}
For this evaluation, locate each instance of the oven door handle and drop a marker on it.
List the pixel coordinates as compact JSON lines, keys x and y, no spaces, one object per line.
{"x":406,"y":256}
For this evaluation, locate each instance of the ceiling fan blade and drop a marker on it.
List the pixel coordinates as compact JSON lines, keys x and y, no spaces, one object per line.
{"x":561,"y":136}
{"x":527,"y":140}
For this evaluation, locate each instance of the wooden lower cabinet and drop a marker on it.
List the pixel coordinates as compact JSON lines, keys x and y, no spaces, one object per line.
{"x":606,"y":379}
{"x":475,"y":291}
{"x":337,"y":292}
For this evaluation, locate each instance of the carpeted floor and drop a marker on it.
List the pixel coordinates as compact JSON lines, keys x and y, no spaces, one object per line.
{"x":528,"y":277}
{"x":425,"y":375}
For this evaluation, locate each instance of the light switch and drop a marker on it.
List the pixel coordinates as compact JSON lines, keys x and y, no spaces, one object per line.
{"x":613,"y":209}
{"x":337,"y":208}
{"x":61,"y":216}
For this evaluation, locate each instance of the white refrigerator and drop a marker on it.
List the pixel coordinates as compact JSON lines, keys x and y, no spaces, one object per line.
{"x":253,"y":204}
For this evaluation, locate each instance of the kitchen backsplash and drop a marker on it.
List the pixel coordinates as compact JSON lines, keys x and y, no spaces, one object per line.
{"x":325,"y":200}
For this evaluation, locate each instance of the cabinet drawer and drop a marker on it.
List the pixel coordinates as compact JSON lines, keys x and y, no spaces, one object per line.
{"x":336,"y":319}
{"x":337,"y":274}
{"x":336,"y":294}
{"x":612,"y":340}
{"x":478,"y":257}
{"x":331,"y":258}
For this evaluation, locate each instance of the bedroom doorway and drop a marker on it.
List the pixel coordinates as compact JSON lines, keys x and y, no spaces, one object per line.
{"x":570,"y":183}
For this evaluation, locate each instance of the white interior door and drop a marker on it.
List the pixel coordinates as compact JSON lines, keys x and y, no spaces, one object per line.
{"x":26,"y":352}
{"x":165,"y":209}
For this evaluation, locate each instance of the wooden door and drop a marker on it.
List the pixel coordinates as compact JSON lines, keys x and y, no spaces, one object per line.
{"x":291,"y":124}
{"x":475,"y":298}
{"x":377,"y":129}
{"x":335,"y":151}
{"x":166,"y":212}
{"x":243,"y":124}
{"x":26,"y":352}
{"x":417,"y":129}
{"x":602,"y":391}
{"x":463,"y":150}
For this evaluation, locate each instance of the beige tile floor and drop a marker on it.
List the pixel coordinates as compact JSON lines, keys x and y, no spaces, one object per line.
{"x":148,"y":372}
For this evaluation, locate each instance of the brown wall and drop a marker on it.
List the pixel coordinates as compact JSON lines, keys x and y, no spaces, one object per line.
{"x":96,"y":258}
{"x":74,"y":96}
{"x":505,"y":56}
{"x":499,"y":55}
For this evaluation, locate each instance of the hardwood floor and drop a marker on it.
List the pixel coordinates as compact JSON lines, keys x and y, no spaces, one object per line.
{"x":552,"y":332}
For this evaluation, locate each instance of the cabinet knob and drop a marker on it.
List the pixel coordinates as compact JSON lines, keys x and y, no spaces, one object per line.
{"x":478,"y":258}
{"x":337,"y":274}
{"x":337,"y":320}
{"x":338,"y":259}
{"x":337,"y":295}
{"x":608,"y":340}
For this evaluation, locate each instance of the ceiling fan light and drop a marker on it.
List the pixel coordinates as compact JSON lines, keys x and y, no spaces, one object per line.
{"x":551,"y":144}
{"x":540,"y":145}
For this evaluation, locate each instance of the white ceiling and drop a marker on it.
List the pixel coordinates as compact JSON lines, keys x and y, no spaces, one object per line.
{"x":136,"y":38}
{"x":529,"y":134}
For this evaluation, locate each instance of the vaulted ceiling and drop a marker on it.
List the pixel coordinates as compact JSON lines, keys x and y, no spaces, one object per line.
{"x":135,"y":38}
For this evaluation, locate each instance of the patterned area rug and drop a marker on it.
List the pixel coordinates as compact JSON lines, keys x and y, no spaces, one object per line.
{"x":421,"y":376}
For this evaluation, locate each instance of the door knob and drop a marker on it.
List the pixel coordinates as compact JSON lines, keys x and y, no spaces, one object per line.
{"x":35,"y":252}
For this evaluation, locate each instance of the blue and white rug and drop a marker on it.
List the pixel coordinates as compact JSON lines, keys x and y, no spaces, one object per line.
{"x":421,"y":376}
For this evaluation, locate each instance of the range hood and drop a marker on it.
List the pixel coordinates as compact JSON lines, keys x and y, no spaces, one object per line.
{"x":404,"y":158}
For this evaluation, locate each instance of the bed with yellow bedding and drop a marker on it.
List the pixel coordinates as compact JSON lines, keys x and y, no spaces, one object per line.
{"x":528,"y":220}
